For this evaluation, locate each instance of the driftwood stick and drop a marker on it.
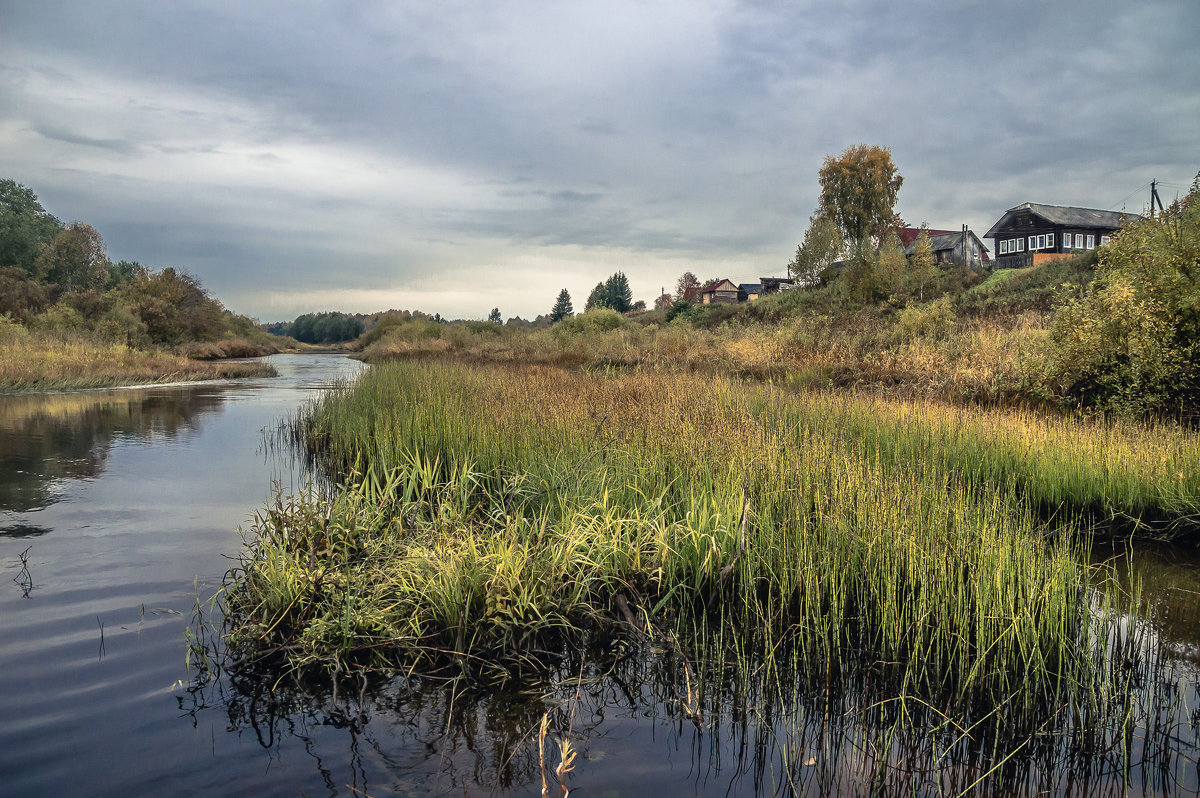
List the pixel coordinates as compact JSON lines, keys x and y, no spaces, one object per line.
{"x":630,"y":618}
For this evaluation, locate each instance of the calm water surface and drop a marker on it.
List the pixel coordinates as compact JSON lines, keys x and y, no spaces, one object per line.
{"x":118,"y":508}
{"x":124,"y":504}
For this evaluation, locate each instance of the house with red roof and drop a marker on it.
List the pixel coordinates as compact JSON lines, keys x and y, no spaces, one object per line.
{"x":719,"y":292}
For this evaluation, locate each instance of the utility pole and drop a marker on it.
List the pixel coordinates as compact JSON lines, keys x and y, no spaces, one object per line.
{"x":1155,"y":198}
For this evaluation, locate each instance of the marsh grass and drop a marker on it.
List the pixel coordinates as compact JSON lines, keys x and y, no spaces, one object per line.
{"x":974,"y":359}
{"x":32,"y":362}
{"x":491,"y":516}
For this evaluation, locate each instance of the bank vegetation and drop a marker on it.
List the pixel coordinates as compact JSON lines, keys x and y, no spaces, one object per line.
{"x":70,"y":317}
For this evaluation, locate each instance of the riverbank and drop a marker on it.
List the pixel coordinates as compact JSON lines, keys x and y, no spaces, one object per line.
{"x":39,"y":363}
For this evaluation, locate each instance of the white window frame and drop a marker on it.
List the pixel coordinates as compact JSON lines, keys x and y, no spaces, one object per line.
{"x":1003,"y":247}
{"x":1021,"y":244}
{"x":1079,"y":241}
{"x":1066,"y":242}
{"x":1091,"y":242}
{"x":1105,"y":239}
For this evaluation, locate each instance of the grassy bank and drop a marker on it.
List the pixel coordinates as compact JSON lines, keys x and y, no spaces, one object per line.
{"x":982,"y":342}
{"x":499,"y":512}
{"x":927,"y":353}
{"x":42,"y":363}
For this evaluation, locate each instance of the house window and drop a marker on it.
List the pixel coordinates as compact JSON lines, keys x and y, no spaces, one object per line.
{"x":1020,"y":245}
{"x":1091,"y":242}
{"x":1066,"y":241}
{"x":1079,"y":241}
{"x":1003,"y":247}
{"x":1042,"y":244}
{"x":1104,"y":240}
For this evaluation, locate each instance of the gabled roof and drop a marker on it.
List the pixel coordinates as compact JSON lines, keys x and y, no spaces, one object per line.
{"x":945,"y":241}
{"x":1067,"y":215}
{"x":715,"y":285}
{"x":750,"y":288}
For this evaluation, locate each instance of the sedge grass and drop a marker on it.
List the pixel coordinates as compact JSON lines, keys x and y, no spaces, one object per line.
{"x":491,"y":513}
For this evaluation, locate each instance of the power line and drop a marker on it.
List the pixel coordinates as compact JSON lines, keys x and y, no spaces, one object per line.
{"x":1140,"y":188}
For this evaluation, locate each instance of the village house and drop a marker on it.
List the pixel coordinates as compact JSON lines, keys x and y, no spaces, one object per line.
{"x":948,"y":246}
{"x":773,"y":285}
{"x":719,"y":292}
{"x":748,"y":292}
{"x":724,"y":292}
{"x":1033,"y":233}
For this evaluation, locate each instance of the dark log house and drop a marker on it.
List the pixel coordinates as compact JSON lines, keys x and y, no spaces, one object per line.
{"x":1033,"y":233}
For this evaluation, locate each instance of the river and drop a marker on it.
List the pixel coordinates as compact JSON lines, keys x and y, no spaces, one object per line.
{"x":120,"y":509}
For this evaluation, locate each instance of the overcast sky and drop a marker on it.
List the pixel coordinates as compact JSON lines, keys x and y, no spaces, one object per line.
{"x":455,"y":156}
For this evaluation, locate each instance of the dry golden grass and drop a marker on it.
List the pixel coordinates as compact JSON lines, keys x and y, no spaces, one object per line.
{"x":33,"y":363}
{"x":973,"y":360}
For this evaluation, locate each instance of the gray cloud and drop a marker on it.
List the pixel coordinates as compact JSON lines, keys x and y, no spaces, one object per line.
{"x":380,"y":149}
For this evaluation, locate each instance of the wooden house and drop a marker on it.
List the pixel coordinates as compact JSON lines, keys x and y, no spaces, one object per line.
{"x":1032,"y":233}
{"x":748,"y":292}
{"x":949,"y":247}
{"x":773,"y":285}
{"x":719,"y":292}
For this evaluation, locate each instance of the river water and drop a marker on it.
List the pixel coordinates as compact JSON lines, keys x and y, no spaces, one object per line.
{"x":119,"y":509}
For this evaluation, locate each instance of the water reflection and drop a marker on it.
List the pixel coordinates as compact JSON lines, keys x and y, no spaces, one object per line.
{"x":766,"y":729}
{"x":46,"y":439}
{"x":1166,"y":578}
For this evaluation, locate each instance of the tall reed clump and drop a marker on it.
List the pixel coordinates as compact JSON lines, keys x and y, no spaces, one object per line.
{"x":490,"y":513}
{"x":1140,"y":478}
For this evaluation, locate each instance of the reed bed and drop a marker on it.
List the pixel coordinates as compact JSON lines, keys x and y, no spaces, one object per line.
{"x":491,"y":514}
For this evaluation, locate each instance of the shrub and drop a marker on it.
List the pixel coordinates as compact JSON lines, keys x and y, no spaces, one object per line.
{"x":934,"y":320}
{"x":11,"y":331}
{"x":1130,"y":341}
{"x":594,"y":321}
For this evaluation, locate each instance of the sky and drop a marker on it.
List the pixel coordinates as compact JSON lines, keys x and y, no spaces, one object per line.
{"x":454,"y":156}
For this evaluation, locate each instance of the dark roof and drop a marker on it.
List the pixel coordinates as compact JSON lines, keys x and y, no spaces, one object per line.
{"x":1068,"y":216}
{"x":750,"y":288}
{"x":944,"y":241}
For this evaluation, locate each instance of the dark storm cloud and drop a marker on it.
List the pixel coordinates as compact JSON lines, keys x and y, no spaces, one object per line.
{"x":384,"y":146}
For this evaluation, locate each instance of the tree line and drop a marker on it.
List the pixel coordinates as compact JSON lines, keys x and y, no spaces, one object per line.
{"x":325,"y":328}
{"x":57,"y":278}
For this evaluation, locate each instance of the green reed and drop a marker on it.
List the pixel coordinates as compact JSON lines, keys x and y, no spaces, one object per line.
{"x":490,"y":514}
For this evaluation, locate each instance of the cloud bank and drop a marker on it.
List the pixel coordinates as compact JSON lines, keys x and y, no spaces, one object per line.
{"x":457,"y":156}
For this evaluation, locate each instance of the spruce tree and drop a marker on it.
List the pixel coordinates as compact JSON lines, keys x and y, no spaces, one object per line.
{"x":620,"y":296}
{"x":562,"y":307}
{"x":598,"y":298}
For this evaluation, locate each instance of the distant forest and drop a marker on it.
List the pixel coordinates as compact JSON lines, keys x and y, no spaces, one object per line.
{"x":321,"y":328}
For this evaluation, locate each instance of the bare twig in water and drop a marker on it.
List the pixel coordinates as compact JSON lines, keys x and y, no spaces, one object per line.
{"x":24,"y":579}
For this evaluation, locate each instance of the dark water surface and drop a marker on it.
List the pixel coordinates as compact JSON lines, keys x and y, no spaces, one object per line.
{"x":118,"y":508}
{"x":125,"y":503}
